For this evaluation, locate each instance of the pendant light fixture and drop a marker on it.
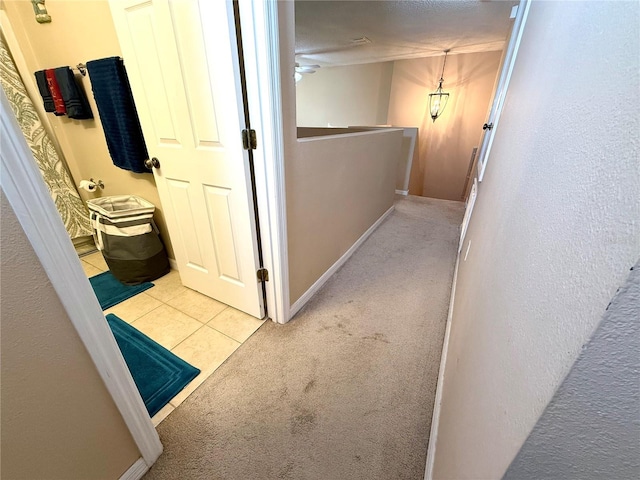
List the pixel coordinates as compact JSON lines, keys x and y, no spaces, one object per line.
{"x":438,"y":99}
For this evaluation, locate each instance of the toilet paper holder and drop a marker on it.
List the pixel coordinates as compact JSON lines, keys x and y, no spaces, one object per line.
{"x":91,"y":185}
{"x":99,"y":183}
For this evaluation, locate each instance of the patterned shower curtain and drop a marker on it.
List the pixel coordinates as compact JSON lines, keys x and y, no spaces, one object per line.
{"x":54,"y":172}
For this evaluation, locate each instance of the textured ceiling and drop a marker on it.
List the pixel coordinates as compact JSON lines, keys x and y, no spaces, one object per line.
{"x":397,"y":29}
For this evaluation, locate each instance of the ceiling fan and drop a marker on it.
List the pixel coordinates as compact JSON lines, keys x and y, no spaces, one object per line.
{"x":306,"y":68}
{"x":303,"y":69}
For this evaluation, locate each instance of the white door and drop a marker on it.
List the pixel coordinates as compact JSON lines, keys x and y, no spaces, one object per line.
{"x":182,"y":62}
{"x":508,"y":62}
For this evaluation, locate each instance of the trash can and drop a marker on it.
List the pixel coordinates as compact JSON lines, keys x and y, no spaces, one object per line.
{"x":128,"y":238}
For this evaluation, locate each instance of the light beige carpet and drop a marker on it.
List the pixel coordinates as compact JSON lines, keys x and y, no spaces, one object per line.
{"x":346,"y":389}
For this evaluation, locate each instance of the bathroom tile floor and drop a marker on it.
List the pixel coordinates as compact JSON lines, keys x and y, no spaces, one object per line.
{"x":198,"y":329}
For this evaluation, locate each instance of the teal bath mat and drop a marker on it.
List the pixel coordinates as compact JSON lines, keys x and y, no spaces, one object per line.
{"x":110,"y":291}
{"x":159,"y":374}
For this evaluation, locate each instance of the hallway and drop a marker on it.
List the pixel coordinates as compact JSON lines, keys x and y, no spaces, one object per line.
{"x":344,"y":390}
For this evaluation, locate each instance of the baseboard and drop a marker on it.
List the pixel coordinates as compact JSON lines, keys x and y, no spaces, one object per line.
{"x":306,"y":296}
{"x":435,"y":419}
{"x":173,"y":264}
{"x":402,"y":192}
{"x":136,"y":471}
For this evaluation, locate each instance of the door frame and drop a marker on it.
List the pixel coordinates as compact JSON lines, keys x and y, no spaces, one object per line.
{"x":24,"y":188}
{"x":503,"y":85}
{"x":261,"y":50}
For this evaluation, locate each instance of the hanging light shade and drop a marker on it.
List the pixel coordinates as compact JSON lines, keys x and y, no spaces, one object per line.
{"x":438,"y":99}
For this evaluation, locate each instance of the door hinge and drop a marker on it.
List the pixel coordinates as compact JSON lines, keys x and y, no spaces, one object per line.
{"x":263,"y":275}
{"x":249,"y":139}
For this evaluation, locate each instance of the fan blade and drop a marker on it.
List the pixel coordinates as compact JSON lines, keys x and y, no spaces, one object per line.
{"x":307,"y":68}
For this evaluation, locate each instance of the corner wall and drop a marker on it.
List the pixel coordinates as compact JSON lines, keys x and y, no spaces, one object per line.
{"x":446,"y":145}
{"x":80,"y":31}
{"x":553,"y":234}
{"x":591,"y":428}
{"x":58,"y":419}
{"x":397,"y":93}
{"x":336,"y":187}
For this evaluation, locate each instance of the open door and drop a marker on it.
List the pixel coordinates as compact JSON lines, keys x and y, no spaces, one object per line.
{"x":522,"y":9}
{"x":183,"y":66}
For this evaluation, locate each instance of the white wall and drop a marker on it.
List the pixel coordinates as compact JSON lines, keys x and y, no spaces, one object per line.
{"x":343,"y":96}
{"x":591,"y":428}
{"x":554,"y":231}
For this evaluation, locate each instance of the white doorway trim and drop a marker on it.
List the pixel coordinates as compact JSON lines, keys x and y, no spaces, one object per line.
{"x":260,"y":43}
{"x":503,"y":85}
{"x":22,"y":184}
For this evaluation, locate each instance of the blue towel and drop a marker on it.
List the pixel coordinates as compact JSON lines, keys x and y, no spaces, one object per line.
{"x":110,"y":291}
{"x":43,"y":88}
{"x":74,"y":98}
{"x":118,"y":113}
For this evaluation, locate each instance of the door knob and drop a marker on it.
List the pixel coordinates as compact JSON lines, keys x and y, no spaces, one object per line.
{"x":487,"y":126}
{"x":152,"y":163}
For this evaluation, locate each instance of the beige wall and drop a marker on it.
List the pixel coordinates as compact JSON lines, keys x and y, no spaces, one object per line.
{"x":58,"y":419}
{"x":336,"y":187}
{"x":408,"y":152}
{"x":306,"y":132}
{"x":80,"y":31}
{"x":553,"y":234}
{"x":445,"y":146}
{"x":343,"y":96}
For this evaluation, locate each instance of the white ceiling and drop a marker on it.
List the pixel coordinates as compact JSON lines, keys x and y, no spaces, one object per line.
{"x":398,"y":29}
